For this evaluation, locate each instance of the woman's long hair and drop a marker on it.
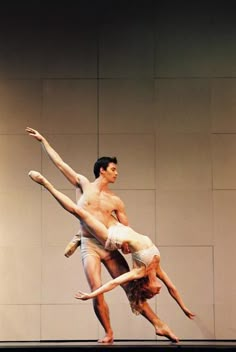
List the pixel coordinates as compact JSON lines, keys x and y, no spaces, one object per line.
{"x":138,"y":293}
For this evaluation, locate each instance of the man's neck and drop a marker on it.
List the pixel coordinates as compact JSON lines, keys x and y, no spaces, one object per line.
{"x":102,"y":183}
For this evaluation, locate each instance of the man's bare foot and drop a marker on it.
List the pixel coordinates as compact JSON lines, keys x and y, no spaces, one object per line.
{"x":106,"y":339}
{"x":164,"y":330}
{"x":37,"y":177}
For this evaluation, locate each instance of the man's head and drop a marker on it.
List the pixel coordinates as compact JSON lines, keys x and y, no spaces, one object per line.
{"x":105,"y":164}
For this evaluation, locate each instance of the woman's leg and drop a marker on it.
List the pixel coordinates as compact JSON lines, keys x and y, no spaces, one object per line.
{"x":95,"y":227}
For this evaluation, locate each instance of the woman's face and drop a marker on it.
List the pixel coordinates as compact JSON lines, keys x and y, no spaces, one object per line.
{"x":152,"y":288}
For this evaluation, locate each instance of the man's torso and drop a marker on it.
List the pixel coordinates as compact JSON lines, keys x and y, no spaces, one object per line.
{"x":101,"y":204}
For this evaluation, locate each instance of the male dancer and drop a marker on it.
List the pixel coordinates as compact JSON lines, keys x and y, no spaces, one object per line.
{"x":100,"y":201}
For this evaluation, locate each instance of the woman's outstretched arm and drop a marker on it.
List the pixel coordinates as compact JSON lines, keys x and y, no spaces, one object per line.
{"x":134,"y":274}
{"x":161,"y":274}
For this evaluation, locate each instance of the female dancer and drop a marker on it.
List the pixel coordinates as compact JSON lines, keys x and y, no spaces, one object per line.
{"x":145,"y":255}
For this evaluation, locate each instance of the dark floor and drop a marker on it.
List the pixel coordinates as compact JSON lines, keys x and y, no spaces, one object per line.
{"x":121,"y":345}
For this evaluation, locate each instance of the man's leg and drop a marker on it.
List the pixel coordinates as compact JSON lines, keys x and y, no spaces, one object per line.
{"x":92,"y":268}
{"x":117,"y":265}
{"x":161,"y":328}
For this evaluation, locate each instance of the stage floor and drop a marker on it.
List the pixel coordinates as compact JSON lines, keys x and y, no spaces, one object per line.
{"x":121,"y":345}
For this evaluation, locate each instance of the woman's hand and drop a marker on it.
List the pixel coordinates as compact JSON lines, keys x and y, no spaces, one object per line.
{"x":34,"y":133}
{"x":189,"y":314}
{"x":82,"y":295}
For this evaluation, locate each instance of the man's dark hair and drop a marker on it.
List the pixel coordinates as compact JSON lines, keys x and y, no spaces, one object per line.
{"x":103,"y":162}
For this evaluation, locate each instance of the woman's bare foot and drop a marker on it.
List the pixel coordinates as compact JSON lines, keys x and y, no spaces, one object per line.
{"x":164,"y":330}
{"x":37,"y":177}
{"x":106,"y":339}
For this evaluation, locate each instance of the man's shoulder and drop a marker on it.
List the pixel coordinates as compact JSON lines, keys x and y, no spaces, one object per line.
{"x":111,"y":193}
{"x":83,"y":180}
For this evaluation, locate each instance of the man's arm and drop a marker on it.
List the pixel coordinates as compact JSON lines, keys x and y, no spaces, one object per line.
{"x":134,"y":274}
{"x":66,"y":170}
{"x":121,"y":213}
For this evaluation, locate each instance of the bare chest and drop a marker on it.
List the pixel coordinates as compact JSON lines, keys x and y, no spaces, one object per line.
{"x":98,"y":200}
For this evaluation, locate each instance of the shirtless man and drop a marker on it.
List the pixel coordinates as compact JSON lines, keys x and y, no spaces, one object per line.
{"x":100,"y":201}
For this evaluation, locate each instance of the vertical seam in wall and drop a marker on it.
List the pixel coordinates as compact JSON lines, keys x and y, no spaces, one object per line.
{"x":41,"y":222}
{"x":154,"y":39}
{"x":98,"y":86}
{"x":154,"y":34}
{"x":155,"y":200}
{"x":213,"y":263}
{"x":153,"y":102}
{"x":213,"y":214}
{"x":155,"y":160}
{"x":213,"y":273}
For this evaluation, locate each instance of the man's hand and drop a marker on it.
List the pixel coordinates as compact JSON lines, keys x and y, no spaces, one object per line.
{"x":82,"y":296}
{"x":34,"y":133}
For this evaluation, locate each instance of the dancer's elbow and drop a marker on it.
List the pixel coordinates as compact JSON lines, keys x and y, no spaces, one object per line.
{"x":138,"y":273}
{"x":173,"y":291}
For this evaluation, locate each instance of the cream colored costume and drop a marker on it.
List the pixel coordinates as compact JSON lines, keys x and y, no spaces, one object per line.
{"x":118,"y":234}
{"x":91,"y":246}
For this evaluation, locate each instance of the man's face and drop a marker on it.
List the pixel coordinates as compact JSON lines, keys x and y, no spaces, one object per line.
{"x":110,"y":173}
